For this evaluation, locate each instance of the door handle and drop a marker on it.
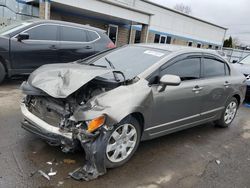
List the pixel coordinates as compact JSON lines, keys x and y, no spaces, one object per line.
{"x":53,"y":47}
{"x":88,"y":47}
{"x":197,"y":89}
{"x":227,"y":84}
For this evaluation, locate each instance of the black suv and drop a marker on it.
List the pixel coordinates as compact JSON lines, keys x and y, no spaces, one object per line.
{"x":25,"y":46}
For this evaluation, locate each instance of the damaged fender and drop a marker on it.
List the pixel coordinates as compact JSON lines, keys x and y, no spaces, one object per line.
{"x":115,"y":110}
{"x":134,"y":98}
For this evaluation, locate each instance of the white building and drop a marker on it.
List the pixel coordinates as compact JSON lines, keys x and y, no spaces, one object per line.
{"x":133,"y":21}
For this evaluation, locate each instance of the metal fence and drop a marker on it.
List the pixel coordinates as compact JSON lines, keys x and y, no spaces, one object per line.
{"x":235,"y":54}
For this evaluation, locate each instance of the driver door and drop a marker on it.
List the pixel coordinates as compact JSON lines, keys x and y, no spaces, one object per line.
{"x":177,"y":106}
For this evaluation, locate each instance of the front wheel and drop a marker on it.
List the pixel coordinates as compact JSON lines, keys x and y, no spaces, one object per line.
{"x":122,"y":142}
{"x":229,"y":113}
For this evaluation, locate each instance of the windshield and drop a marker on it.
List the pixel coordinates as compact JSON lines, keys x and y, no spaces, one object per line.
{"x":130,"y":60}
{"x":13,"y":27}
{"x":246,"y":60}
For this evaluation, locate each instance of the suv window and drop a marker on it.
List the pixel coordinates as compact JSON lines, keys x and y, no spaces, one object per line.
{"x":187,"y":69}
{"x":43,"y":32}
{"x":92,"y":35}
{"x":73,"y":34}
{"x":213,"y":68}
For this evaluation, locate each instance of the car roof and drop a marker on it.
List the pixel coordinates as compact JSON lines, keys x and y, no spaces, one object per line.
{"x":40,"y":21}
{"x":177,"y":48}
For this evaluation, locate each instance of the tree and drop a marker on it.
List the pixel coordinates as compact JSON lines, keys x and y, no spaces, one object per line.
{"x":235,"y":42}
{"x":228,"y":42}
{"x":183,"y":8}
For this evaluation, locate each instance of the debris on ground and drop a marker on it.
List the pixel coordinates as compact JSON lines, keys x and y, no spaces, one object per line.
{"x":60,"y":183}
{"x":69,"y":161}
{"x":217,"y":162}
{"x":44,"y":175}
{"x":34,"y":152}
{"x":52,"y":173}
{"x":49,"y":163}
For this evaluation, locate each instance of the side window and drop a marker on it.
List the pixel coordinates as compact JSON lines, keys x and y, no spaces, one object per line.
{"x":92,"y":35}
{"x":73,"y":34}
{"x":187,"y":69}
{"x":213,"y":68}
{"x":43,"y":32}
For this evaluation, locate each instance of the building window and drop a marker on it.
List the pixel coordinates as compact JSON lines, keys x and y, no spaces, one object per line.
{"x":216,"y":47}
{"x":168,"y":40}
{"x":157,"y":38}
{"x":199,"y":45}
{"x":137,"y":36}
{"x":210,"y":46}
{"x":190,"y":43}
{"x":163,"y":39}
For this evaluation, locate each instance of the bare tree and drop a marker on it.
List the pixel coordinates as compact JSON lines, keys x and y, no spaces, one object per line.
{"x":183,"y":8}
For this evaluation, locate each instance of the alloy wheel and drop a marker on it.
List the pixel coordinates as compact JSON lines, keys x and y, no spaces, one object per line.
{"x":121,"y":143}
{"x":230,"y":112}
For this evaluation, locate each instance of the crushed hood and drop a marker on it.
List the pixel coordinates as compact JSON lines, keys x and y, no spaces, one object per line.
{"x":61,"y":80}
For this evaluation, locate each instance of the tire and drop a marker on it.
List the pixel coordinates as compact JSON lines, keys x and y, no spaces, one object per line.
{"x":230,"y":111}
{"x":122,"y":141}
{"x":2,"y":73}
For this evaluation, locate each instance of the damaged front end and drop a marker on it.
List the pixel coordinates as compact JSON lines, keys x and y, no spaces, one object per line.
{"x":71,"y":105}
{"x":53,"y":119}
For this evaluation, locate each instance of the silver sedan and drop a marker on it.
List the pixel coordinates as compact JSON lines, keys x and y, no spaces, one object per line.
{"x":111,"y":101}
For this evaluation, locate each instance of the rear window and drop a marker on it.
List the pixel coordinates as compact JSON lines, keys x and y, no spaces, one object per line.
{"x":213,"y":68}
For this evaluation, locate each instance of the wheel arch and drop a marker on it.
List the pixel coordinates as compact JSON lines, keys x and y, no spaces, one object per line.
{"x":140,"y":118}
{"x":3,"y":62}
{"x":237,"y":96}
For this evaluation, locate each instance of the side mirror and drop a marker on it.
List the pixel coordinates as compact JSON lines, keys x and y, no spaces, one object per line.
{"x":23,"y":36}
{"x":234,"y":61}
{"x":168,"y":79}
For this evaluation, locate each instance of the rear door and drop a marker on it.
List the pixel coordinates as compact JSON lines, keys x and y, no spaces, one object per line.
{"x":75,"y":44}
{"x":41,"y":47}
{"x":216,"y":85}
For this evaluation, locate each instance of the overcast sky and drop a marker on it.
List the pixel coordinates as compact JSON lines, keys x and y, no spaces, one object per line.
{"x":232,"y":14}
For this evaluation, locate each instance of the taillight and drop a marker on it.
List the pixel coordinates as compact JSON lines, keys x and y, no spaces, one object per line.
{"x":111,"y":45}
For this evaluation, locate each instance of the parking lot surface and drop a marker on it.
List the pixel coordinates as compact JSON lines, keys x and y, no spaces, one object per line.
{"x":204,"y":156}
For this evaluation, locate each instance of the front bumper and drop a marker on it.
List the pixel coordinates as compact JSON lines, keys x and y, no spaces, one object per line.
{"x":42,"y":129}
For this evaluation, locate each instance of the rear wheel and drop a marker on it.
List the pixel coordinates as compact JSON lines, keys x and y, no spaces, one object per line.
{"x":229,"y":113}
{"x":122,"y":142}
{"x":2,"y":73}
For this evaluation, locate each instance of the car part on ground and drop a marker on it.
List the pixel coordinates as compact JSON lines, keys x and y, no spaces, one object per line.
{"x":33,"y":43}
{"x":108,"y":103}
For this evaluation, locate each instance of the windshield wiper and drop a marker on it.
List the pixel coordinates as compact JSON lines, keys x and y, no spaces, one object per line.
{"x":110,"y":63}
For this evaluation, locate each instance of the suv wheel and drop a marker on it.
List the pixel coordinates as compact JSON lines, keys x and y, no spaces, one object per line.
{"x":122,"y":142}
{"x":2,"y":73}
{"x":229,"y":113}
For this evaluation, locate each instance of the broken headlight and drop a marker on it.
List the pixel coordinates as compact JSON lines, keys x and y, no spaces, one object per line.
{"x":95,"y":123}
